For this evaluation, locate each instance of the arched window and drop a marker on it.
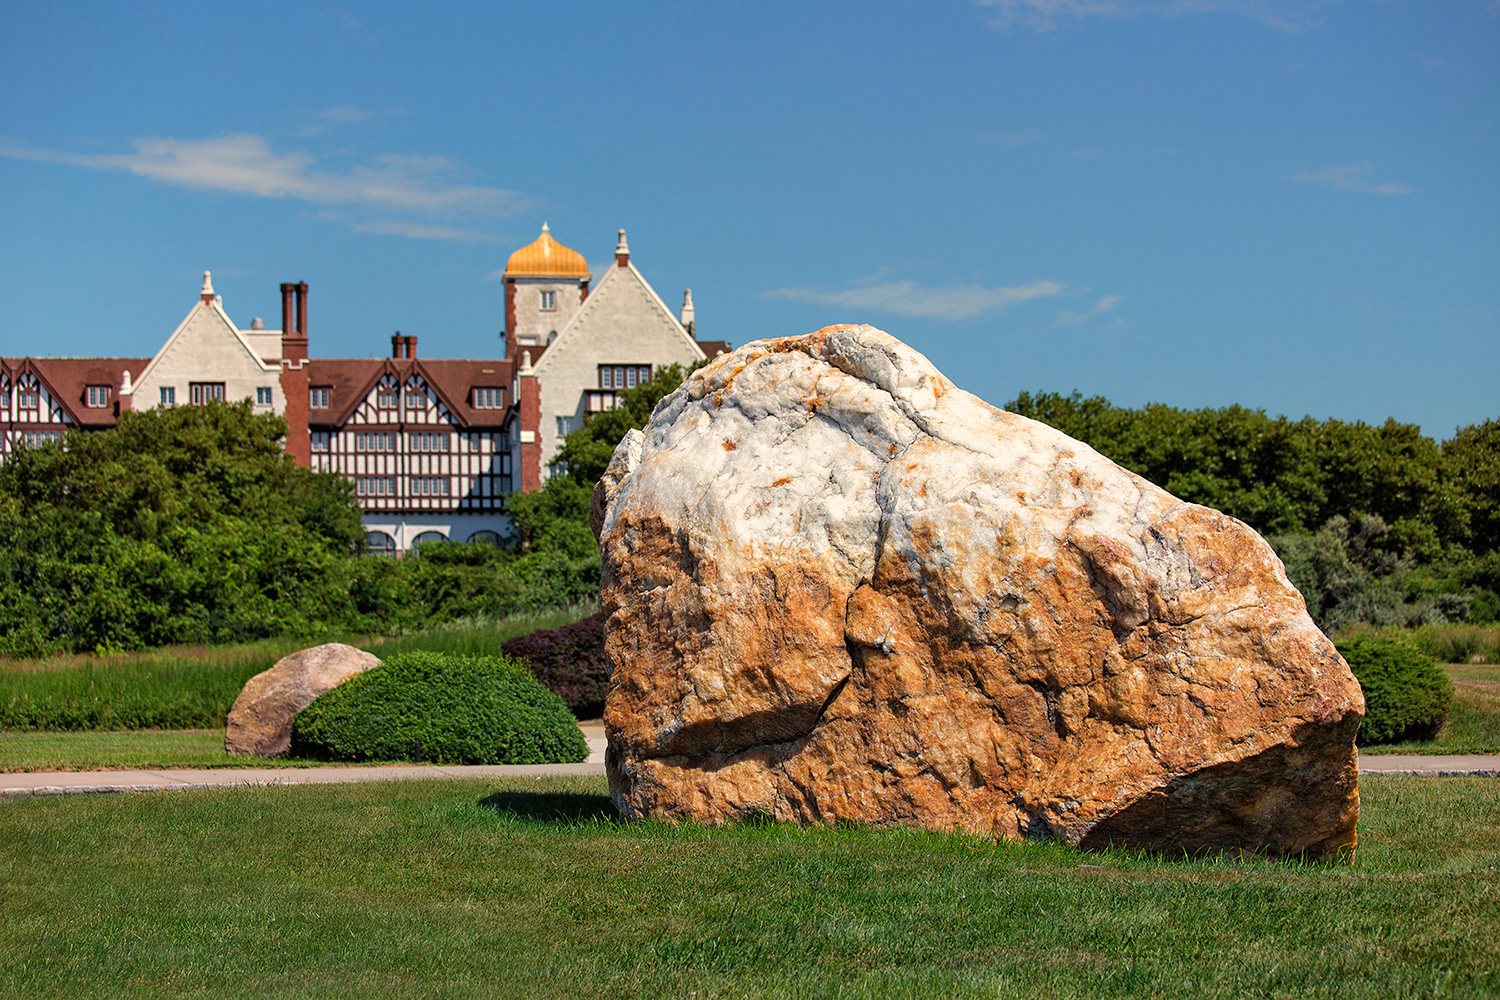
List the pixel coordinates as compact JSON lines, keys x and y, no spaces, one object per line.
{"x":485,"y":537}
{"x":427,"y":536}
{"x":381,"y":544}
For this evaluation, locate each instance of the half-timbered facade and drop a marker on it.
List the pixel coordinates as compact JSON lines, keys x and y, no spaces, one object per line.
{"x":425,"y":442}
{"x":432,"y":446}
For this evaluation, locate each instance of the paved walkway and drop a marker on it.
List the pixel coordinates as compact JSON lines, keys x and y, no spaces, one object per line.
{"x":64,"y":782}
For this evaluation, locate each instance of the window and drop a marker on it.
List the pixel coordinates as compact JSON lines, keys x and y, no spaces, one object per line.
{"x":428,"y":442}
{"x":428,"y":536}
{"x":35,"y":439}
{"x":564,"y":426}
{"x":623,"y":376}
{"x":429,"y":486}
{"x":375,"y":442}
{"x":28,"y":398}
{"x":319,"y":440}
{"x":96,"y":396}
{"x":263,"y":395}
{"x":168,"y":395}
{"x":484,"y":537}
{"x":375,"y":486}
{"x":318,"y":397}
{"x":203,"y":392}
{"x":415,"y":398}
{"x":549,"y":300}
{"x":380,"y":543}
{"x":387,"y":399}
{"x":489,"y":398}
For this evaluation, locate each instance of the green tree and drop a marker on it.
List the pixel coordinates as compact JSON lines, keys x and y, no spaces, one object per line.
{"x":189,"y":524}
{"x":586,"y":452}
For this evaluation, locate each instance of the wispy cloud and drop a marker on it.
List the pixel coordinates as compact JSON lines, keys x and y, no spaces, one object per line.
{"x":245,"y":164}
{"x":1292,"y":16}
{"x":338,"y":115}
{"x":907,"y":298}
{"x":1066,"y":317}
{"x":423,"y":231}
{"x":1350,"y":178}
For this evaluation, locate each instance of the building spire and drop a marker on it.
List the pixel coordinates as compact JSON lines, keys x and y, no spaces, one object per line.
{"x":206,"y":293}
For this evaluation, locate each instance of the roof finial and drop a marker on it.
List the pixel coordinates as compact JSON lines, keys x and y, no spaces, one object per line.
{"x":206,"y":293}
{"x":622,"y":251}
{"x":545,"y":230}
{"x":687,"y":310}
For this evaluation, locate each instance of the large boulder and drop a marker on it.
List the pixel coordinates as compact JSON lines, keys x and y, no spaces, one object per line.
{"x":841,"y":588}
{"x":260,"y":721}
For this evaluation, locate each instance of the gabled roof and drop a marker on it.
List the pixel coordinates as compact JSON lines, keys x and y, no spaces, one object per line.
{"x":351,"y":380}
{"x":610,"y":287}
{"x":214,"y":309}
{"x":67,"y":380}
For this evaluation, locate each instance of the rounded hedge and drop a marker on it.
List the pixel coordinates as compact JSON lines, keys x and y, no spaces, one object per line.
{"x":1407,"y":695}
{"x":441,"y":708}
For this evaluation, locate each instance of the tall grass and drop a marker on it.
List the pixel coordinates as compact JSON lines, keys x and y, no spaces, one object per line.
{"x":1444,"y":643}
{"x":192,"y":687}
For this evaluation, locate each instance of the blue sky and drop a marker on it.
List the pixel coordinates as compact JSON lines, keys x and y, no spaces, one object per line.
{"x":1290,"y":205}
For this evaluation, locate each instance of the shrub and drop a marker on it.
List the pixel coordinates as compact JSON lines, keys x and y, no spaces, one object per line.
{"x":447,"y":709}
{"x":570,"y":661}
{"x":1407,"y":696}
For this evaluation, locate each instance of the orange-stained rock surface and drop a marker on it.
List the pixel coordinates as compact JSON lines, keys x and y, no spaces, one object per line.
{"x":842,"y":588}
{"x":260,"y":721}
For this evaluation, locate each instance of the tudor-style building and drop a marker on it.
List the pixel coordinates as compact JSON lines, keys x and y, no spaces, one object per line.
{"x":431,"y":446}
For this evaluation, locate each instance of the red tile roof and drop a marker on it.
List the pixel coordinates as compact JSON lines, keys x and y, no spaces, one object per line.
{"x":67,"y":381}
{"x":350,"y":381}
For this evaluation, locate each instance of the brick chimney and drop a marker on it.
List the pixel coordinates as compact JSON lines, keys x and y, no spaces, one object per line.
{"x":294,"y":371}
{"x":622,"y":252}
{"x":403,"y":348}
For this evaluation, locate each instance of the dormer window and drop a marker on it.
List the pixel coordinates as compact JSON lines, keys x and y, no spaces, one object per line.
{"x":27,"y":396}
{"x":96,"y":396}
{"x":415,"y":398}
{"x":489,"y":398}
{"x":318,"y":397}
{"x":549,"y":300}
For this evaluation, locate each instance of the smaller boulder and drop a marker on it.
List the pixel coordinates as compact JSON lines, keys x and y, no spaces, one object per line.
{"x":260,"y":722}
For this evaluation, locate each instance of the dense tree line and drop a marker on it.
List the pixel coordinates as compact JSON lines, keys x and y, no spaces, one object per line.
{"x":192,"y":524}
{"x":1376,"y":524}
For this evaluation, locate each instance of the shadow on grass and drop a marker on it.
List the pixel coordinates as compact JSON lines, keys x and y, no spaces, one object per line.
{"x":554,"y":807}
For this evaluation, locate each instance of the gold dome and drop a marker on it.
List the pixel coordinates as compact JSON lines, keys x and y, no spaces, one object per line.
{"x":546,"y":258}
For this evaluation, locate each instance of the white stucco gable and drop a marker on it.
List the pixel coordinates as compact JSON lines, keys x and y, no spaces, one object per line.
{"x":207,"y":347}
{"x":622,"y":322}
{"x":622,"y":313}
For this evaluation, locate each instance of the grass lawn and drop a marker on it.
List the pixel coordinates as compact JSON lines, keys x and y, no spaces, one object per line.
{"x":143,"y":749}
{"x":534,"y":888}
{"x":1474,"y":724}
